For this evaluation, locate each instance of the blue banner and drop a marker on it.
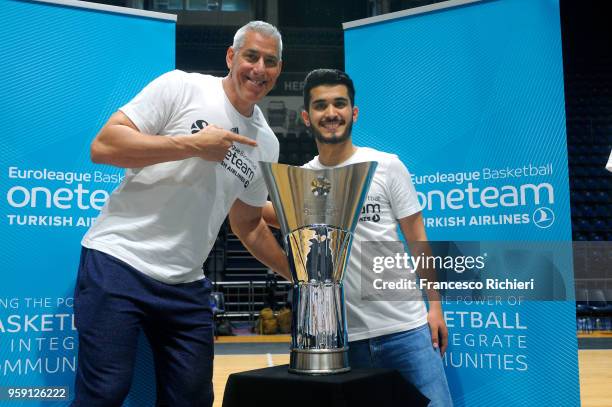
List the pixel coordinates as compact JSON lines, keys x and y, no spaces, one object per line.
{"x":471,"y":99}
{"x":65,"y":69}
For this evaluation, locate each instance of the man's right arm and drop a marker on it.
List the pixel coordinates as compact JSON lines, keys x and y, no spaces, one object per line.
{"x":121,"y":144}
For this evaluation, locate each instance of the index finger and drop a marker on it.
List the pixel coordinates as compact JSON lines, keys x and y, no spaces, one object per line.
{"x":443,"y":341}
{"x":241,"y":139}
{"x":434,"y":336}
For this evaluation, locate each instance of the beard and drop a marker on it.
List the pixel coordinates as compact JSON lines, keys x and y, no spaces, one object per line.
{"x":335,"y":138}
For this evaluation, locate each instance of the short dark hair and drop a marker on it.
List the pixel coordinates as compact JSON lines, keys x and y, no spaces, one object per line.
{"x":329,"y":77}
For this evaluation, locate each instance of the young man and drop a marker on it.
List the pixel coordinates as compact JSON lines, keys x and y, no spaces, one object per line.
{"x":141,"y":263}
{"x":392,"y":334}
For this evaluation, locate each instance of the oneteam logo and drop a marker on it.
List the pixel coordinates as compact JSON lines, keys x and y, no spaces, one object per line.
{"x":543,"y":217}
{"x":370,"y":212}
{"x":198,"y":125}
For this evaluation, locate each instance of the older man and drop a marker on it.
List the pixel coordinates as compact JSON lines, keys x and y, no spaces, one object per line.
{"x":190,"y":144}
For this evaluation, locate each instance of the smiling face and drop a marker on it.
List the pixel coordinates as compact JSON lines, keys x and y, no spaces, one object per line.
{"x":254,"y":69}
{"x":330,"y":115}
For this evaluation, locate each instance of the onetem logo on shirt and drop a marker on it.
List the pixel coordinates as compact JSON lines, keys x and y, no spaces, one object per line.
{"x":371,"y":210}
{"x":239,"y":164}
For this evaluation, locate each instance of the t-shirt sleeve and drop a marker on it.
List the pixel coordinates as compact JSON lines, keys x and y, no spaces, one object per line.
{"x":256,"y":194}
{"x":609,"y":165}
{"x":151,"y":109}
{"x":309,"y":165}
{"x":403,"y":196}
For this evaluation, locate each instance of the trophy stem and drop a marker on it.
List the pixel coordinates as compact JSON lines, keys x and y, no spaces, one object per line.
{"x":319,"y":339}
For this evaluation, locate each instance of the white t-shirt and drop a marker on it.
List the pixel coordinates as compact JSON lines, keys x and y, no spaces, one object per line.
{"x":391,"y":196}
{"x":163,"y":219}
{"x":609,"y":164}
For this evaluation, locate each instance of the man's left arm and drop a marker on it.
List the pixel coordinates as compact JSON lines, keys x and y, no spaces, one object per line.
{"x":414,"y":232}
{"x":248,"y":224}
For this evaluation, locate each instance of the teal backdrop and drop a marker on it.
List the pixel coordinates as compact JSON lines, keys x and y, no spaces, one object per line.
{"x":471,"y":99}
{"x":65,"y":69}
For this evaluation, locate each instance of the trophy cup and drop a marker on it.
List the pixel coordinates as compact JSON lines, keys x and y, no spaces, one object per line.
{"x":318,"y":211}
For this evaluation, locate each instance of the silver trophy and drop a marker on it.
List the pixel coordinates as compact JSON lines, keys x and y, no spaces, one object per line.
{"x":318,"y":211}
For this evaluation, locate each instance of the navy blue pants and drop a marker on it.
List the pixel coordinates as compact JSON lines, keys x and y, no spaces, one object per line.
{"x":113,"y":302}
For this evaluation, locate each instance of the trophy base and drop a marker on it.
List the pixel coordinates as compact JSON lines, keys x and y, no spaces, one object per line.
{"x":319,"y":361}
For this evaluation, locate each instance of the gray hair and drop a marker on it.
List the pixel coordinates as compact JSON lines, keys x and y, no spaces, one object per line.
{"x":262,"y":28}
